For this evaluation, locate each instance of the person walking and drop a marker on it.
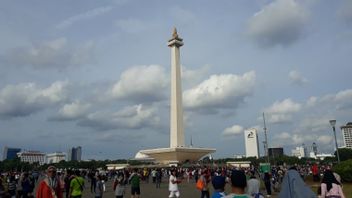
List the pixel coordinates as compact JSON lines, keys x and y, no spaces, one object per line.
{"x":219,"y":186}
{"x":330,"y":187}
{"x":173,"y":185}
{"x":253,"y":185}
{"x":135,"y":179}
{"x":205,"y":178}
{"x":238,"y":183}
{"x":267,"y":182}
{"x":76,"y":185}
{"x":49,"y":187}
{"x":99,"y":187}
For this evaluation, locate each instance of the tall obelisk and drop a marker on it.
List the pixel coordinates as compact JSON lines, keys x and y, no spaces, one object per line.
{"x":177,"y":137}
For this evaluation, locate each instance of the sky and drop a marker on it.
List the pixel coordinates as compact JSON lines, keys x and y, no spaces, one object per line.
{"x":96,"y":74}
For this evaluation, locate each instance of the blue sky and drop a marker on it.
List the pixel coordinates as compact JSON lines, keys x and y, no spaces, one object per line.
{"x":97,"y":73}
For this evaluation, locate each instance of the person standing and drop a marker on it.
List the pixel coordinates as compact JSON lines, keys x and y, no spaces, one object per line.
{"x":267,"y":182}
{"x":49,"y":187}
{"x":76,"y":185}
{"x":205,"y":178}
{"x":173,"y":185}
{"x":119,"y":186}
{"x":253,"y":185}
{"x":67,"y":180}
{"x":99,"y":187}
{"x":159,"y":175}
{"x":239,"y":183}
{"x":135,"y":184}
{"x":219,"y":186}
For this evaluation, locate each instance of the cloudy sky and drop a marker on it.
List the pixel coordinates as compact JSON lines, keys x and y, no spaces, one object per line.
{"x":97,"y":73}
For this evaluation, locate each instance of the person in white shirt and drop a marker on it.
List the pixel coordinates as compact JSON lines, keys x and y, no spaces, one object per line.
{"x":253,"y":185}
{"x":173,"y":185}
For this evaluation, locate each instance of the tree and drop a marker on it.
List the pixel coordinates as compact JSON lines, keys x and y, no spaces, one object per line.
{"x":344,"y":153}
{"x":344,"y":169}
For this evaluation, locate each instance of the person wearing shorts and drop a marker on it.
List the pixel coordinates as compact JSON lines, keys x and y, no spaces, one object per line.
{"x":135,"y":184}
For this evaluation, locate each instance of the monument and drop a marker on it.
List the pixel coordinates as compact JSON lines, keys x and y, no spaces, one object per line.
{"x":177,"y":152}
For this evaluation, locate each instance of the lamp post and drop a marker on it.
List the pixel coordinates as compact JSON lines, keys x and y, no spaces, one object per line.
{"x":332,"y":123}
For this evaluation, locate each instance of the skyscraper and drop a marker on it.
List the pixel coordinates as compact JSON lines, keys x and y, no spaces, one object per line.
{"x":75,"y":154}
{"x":314,"y":148}
{"x":10,"y":153}
{"x":347,"y":135}
{"x":251,"y":143}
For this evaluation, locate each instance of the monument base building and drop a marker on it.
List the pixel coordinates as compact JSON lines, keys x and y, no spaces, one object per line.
{"x":174,"y":155}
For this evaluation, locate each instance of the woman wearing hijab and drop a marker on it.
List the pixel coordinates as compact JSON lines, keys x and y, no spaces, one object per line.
{"x":294,"y":187}
{"x":330,"y":187}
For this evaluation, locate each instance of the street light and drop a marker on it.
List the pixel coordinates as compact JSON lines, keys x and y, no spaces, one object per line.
{"x":332,"y":123}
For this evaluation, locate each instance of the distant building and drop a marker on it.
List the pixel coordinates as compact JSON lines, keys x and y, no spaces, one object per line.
{"x":32,"y":157}
{"x":347,"y":135}
{"x":75,"y":154}
{"x":300,"y":152}
{"x":251,"y":143}
{"x":276,"y":152}
{"x":56,"y":157}
{"x":314,"y":148}
{"x":10,"y":153}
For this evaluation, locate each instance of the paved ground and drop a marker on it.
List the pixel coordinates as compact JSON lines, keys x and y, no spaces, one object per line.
{"x":187,"y":190}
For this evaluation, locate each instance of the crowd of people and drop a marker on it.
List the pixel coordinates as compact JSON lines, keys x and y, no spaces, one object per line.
{"x":243,"y":182}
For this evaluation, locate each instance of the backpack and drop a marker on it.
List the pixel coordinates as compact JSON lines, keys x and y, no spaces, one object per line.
{"x":200,"y":184}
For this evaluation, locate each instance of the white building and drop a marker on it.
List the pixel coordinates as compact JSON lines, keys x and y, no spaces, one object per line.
{"x":347,"y":135}
{"x":251,"y":143}
{"x":32,"y":157}
{"x":56,"y":157}
{"x":300,"y":152}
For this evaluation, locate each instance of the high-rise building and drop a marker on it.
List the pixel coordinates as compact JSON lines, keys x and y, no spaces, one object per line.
{"x":251,"y":143}
{"x":32,"y":157}
{"x":300,"y":152}
{"x":10,"y":153}
{"x":314,"y":148}
{"x":276,"y":152}
{"x":347,"y":135}
{"x":75,"y":154}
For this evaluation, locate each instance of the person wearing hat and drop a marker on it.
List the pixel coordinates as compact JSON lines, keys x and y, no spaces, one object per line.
{"x":219,"y":187}
{"x":49,"y":187}
{"x":239,"y":183}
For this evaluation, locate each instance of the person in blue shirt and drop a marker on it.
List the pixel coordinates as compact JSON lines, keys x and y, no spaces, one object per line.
{"x":219,"y":186}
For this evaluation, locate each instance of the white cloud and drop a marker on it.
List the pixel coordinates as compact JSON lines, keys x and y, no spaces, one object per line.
{"x":142,"y":84}
{"x":132,"y":117}
{"x":190,"y":77}
{"x":233,"y":130}
{"x":84,"y":16}
{"x":27,"y":98}
{"x":325,"y":139}
{"x":314,"y":124}
{"x":73,"y":111}
{"x":342,"y":100}
{"x":220,"y":91}
{"x":51,"y":54}
{"x":279,"y":23}
{"x":282,"y":111}
{"x":297,"y":78}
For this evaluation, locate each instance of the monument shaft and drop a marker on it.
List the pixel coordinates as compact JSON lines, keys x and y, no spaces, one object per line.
{"x":177,"y":137}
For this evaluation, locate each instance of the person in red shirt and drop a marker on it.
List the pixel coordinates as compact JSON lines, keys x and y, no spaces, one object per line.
{"x":315,"y":172}
{"x":49,"y":187}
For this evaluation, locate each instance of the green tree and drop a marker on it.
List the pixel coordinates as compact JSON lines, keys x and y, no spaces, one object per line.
{"x":344,"y":153}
